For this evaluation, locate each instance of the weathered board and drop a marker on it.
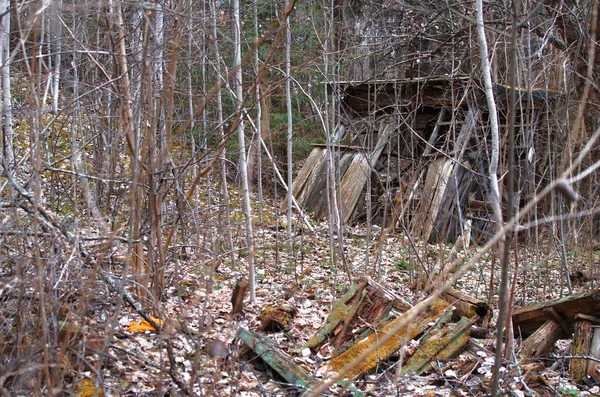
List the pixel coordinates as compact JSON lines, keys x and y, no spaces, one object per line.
{"x":364,"y":305}
{"x":320,"y":207}
{"x":529,"y":318}
{"x":315,"y":157}
{"x":438,"y":174}
{"x":441,"y":343}
{"x":420,"y":323}
{"x":267,"y":350}
{"x":356,"y":176}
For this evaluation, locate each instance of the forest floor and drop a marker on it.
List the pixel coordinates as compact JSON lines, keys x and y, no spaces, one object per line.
{"x":197,"y":304}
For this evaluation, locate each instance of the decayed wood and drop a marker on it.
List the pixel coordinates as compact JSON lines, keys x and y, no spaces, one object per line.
{"x":321,"y":206}
{"x":466,"y":306}
{"x":593,"y":367}
{"x":420,"y":323}
{"x":365,"y":304}
{"x":238,"y":295}
{"x":529,"y":318}
{"x":542,"y":340}
{"x":582,"y":341}
{"x":314,"y":159}
{"x":268,"y":352}
{"x":355,"y":177}
{"x":316,"y":182}
{"x":276,"y":318}
{"x":443,"y":343}
{"x":434,"y":189}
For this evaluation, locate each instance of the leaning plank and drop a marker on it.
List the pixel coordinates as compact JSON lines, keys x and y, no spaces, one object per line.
{"x":441,"y":344}
{"x":355,"y":178}
{"x":268,"y":352}
{"x":314,"y":160}
{"x":433,"y":192}
{"x":315,"y":184}
{"x":529,"y":318}
{"x":417,"y":325}
{"x":321,"y":208}
{"x":542,"y":340}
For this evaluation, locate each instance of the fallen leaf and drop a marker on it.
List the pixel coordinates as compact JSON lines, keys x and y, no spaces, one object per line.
{"x":87,"y":388}
{"x":144,"y":325}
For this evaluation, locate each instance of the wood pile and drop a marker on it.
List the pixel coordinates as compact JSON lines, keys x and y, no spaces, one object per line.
{"x":375,"y":325}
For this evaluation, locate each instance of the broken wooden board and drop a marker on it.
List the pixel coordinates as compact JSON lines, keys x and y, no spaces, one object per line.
{"x":321,"y":208}
{"x":438,"y":175}
{"x":542,"y":340}
{"x":417,"y":325}
{"x":356,"y":176}
{"x":365,"y":304}
{"x":529,"y":318}
{"x":582,"y":342}
{"x":268,"y":352}
{"x":442,"y":343}
{"x":313,"y":161}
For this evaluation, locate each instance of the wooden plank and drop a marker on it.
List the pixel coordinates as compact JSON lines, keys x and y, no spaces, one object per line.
{"x":315,"y":185}
{"x":269,"y":353}
{"x":433,"y":192}
{"x":313,"y":161}
{"x":582,"y":341}
{"x":320,"y":207}
{"x":419,"y":324}
{"x":355,"y":178}
{"x":529,"y":318}
{"x":364,"y":305}
{"x":542,"y":340}
{"x":443,"y":343}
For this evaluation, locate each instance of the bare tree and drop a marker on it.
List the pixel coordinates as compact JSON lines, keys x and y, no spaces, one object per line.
{"x":243,"y":164}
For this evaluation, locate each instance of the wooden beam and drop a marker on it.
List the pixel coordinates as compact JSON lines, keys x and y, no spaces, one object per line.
{"x":529,"y":318}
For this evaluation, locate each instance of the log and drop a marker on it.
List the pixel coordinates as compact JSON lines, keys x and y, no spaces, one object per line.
{"x":440,"y":344}
{"x":419,"y":324}
{"x":582,"y":341}
{"x":268,"y":352}
{"x":542,"y":340}
{"x":466,"y":306}
{"x":365,"y":304}
{"x":529,"y":318}
{"x":276,"y":318}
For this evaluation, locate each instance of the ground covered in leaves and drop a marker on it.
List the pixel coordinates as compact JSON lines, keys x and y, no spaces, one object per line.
{"x":106,"y":347}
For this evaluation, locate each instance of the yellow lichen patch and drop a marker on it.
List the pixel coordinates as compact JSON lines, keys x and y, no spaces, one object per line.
{"x":87,"y":388}
{"x":413,"y":328}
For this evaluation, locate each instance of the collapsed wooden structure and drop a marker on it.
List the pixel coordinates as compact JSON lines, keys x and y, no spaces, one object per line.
{"x":421,"y":146}
{"x":371,"y":322}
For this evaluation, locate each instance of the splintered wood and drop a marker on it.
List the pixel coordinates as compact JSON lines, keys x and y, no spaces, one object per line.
{"x":369,"y":324}
{"x":411,"y":329}
{"x":364,"y":305}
